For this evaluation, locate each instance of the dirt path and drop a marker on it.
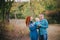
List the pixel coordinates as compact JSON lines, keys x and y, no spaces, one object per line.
{"x":53,"y":30}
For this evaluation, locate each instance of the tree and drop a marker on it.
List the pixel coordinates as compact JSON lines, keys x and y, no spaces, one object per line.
{"x":5,"y":9}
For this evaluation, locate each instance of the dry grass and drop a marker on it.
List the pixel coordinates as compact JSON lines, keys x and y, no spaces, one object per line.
{"x":18,"y":30}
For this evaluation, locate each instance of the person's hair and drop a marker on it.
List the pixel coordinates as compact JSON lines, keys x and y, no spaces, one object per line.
{"x":27,"y":20}
{"x":36,"y":19}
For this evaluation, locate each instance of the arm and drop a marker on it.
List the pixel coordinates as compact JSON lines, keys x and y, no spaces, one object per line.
{"x":32,"y":27}
{"x":44,"y":24}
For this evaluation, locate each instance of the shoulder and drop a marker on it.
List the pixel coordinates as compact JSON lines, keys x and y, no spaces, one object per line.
{"x":36,"y":22}
{"x":44,"y":19}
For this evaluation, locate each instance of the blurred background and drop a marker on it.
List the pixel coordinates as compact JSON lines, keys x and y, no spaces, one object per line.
{"x":14,"y":12}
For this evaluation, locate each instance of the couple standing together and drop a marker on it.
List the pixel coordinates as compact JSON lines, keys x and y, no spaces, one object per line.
{"x":38,"y":29}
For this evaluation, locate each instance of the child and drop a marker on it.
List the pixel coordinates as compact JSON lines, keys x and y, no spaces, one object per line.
{"x":37,"y":23}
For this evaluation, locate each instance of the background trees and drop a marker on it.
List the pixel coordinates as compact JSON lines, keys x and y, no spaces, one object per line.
{"x":11,"y":9}
{"x":5,"y":10}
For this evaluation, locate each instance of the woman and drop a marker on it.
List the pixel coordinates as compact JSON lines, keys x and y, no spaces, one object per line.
{"x":32,"y":28}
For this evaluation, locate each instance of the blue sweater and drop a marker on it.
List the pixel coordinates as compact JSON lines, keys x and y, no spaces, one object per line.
{"x":43,"y":27}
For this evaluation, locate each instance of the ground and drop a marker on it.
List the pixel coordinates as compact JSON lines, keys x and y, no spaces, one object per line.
{"x":21,"y":32}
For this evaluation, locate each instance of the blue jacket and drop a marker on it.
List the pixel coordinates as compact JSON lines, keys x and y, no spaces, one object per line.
{"x":43,"y":27}
{"x":33,"y":31}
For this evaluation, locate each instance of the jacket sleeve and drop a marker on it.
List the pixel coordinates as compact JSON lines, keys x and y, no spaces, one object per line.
{"x":32,"y":27}
{"x":44,"y":24}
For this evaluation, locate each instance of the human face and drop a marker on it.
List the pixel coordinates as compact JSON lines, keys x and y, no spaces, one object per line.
{"x":41,"y":16}
{"x":31,"y":18}
{"x":36,"y":19}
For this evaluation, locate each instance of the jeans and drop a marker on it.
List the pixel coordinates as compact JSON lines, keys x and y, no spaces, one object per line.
{"x":43,"y":37}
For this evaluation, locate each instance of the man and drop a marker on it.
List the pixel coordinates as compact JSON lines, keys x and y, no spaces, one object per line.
{"x":43,"y":27}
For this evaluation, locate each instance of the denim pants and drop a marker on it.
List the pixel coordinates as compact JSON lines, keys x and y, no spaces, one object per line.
{"x":43,"y":37}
